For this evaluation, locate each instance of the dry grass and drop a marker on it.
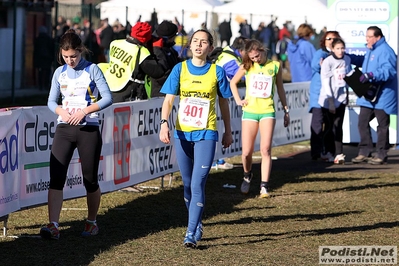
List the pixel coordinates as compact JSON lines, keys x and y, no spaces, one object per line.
{"x":308,"y":209}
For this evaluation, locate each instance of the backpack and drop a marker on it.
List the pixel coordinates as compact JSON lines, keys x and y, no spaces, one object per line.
{"x":281,"y":49}
{"x":214,"y":55}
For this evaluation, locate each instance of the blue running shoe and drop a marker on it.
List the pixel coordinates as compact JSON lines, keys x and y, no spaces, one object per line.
{"x":198,"y":232}
{"x":189,"y":240}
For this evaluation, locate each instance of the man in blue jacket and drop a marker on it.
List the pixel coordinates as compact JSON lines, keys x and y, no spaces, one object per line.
{"x":378,"y":67}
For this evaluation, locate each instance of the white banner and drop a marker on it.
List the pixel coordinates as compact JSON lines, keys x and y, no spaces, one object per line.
{"x":132,"y":152}
{"x":10,"y":149}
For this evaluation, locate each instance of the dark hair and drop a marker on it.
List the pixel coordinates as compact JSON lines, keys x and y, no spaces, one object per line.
{"x":251,"y":45}
{"x":210,"y":37}
{"x":71,"y":40}
{"x":323,"y":38}
{"x":377,"y":31}
{"x":337,"y":41}
{"x":239,"y":43}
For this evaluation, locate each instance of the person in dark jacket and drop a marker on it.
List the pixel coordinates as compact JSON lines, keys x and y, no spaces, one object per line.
{"x":167,"y":56}
{"x":43,"y":57}
{"x":246,"y":30}
{"x":89,"y":40}
{"x":225,"y":32}
{"x":106,"y":37}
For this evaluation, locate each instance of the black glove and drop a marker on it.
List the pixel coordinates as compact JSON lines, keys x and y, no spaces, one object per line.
{"x":366,"y":77}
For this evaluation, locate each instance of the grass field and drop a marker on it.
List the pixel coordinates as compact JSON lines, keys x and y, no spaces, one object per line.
{"x":308,"y":209}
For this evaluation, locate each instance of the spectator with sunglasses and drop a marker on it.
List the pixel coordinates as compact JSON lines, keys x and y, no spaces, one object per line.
{"x":379,"y":68}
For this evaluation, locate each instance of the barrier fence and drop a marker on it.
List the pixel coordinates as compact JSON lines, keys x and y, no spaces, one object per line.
{"x":132,"y":152}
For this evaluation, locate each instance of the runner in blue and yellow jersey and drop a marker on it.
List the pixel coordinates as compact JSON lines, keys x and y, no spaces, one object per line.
{"x":199,"y":84}
{"x":80,"y":83}
{"x":262,"y":76}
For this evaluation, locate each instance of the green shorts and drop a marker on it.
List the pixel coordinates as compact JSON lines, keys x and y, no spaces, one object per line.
{"x":257,"y":117}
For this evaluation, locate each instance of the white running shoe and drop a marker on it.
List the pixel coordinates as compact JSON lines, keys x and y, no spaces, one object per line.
{"x":264,"y":193}
{"x":222,"y":164}
{"x":339,"y":159}
{"x":225,"y":166}
{"x":328,"y":157}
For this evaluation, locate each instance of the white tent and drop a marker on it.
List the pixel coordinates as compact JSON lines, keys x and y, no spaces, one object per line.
{"x":313,"y":12}
{"x":190,"y":13}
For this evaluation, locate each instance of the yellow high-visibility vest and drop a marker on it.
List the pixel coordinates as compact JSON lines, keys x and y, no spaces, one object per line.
{"x":122,"y":62}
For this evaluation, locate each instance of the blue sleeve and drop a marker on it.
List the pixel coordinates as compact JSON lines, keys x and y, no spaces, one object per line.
{"x":224,"y":90}
{"x":172,"y":83}
{"x":52,"y":101}
{"x":308,"y":51}
{"x":348,"y":64}
{"x":385,"y":69}
{"x":102,"y":86}
{"x":231,"y":68}
{"x":316,"y":60}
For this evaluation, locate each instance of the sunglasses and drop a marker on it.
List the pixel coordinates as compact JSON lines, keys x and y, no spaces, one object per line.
{"x":329,"y":39}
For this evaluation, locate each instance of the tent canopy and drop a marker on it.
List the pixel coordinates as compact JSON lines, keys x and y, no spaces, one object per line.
{"x":298,"y":11}
{"x":191,"y":13}
{"x":162,"y":5}
{"x":184,"y":10}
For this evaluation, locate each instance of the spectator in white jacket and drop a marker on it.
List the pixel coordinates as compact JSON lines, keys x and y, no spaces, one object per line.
{"x":334,"y":98}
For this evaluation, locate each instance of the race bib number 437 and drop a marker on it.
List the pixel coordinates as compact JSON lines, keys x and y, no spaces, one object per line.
{"x":261,"y":86}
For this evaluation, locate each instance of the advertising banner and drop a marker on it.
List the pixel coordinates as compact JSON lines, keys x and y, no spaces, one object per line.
{"x":131,"y":153}
{"x":10,"y":150}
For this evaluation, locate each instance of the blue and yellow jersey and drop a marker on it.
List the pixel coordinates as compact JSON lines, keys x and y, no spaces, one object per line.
{"x":198,"y":88}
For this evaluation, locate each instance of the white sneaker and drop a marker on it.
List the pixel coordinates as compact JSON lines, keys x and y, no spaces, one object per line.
{"x":328,"y":157}
{"x":222,"y":164}
{"x":264,"y":193}
{"x":339,"y":159}
{"x":225,"y":165}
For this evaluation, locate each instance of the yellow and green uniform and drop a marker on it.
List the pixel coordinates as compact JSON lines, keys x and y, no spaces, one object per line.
{"x":256,"y":104}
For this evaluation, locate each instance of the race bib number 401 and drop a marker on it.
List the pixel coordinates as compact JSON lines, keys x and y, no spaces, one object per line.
{"x":193,"y":112}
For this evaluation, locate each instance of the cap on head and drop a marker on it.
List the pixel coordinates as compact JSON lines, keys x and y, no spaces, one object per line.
{"x":141,"y":31}
{"x":166,"y":29}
